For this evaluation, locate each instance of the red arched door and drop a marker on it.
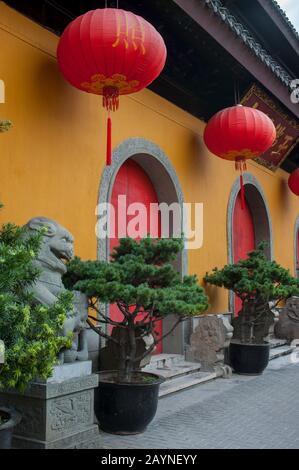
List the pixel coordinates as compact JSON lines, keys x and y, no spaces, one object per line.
{"x":243,"y":237}
{"x":134,"y":184}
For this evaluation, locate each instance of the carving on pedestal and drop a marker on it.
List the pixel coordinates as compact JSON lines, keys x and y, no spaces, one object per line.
{"x":69,"y":412}
{"x":57,"y":247}
{"x":287,"y":326}
{"x":209,"y":341}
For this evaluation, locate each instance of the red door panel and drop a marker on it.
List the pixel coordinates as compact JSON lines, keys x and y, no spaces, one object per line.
{"x":243,"y":237}
{"x":133,"y":182}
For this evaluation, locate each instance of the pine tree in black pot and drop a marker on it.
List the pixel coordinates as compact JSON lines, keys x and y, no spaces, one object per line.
{"x":146,"y":288}
{"x":257,"y":281}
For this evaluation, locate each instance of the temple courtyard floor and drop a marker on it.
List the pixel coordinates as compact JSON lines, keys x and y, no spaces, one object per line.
{"x":238,"y":413}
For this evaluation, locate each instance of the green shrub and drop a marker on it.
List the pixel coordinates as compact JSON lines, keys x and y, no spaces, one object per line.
{"x":31,"y":333}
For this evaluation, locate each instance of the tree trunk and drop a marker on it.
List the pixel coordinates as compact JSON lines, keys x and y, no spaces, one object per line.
{"x":254,"y":321}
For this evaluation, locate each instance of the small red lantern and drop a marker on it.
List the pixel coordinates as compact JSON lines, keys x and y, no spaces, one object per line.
{"x":111,"y":52}
{"x":239,"y":133}
{"x":294,"y":182}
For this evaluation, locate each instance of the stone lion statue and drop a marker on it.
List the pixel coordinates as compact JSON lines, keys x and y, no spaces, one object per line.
{"x":287,"y":326}
{"x":57,"y":248}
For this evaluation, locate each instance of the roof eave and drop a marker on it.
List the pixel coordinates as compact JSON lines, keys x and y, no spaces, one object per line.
{"x":279,"y":17}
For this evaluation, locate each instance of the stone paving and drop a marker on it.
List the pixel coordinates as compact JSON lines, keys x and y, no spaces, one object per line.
{"x":238,"y":413}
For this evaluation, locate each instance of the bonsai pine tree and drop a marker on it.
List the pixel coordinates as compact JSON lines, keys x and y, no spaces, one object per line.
{"x":31,"y":333}
{"x":141,"y":280}
{"x":256,"y":281}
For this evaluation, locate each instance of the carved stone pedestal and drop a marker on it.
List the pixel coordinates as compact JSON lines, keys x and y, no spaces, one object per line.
{"x":58,"y":413}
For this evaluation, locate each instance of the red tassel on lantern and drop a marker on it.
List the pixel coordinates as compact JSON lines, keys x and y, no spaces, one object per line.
{"x":111,"y":103}
{"x":241,"y":166}
{"x":109,"y":142}
{"x":111,"y":52}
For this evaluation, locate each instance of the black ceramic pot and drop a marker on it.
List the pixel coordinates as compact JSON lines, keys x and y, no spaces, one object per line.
{"x":249,"y":359}
{"x":126,"y":407}
{"x":12,"y":419}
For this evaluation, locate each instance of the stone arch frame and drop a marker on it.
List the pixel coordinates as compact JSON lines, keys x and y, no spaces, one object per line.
{"x":257,"y":201}
{"x":296,"y":246}
{"x":166,"y":183}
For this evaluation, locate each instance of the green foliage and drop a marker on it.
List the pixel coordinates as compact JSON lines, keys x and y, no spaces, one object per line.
{"x":256,"y":281}
{"x":30,"y":332}
{"x":141,"y":280}
{"x":256,"y":277}
{"x":5,"y":125}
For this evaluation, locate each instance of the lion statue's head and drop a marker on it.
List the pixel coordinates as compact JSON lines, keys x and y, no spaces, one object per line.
{"x":57,"y":245}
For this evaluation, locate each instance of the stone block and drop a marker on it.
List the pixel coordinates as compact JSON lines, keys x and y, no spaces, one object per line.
{"x":69,"y":371}
{"x":55,"y":414}
{"x":287,"y":326}
{"x":210,"y":339}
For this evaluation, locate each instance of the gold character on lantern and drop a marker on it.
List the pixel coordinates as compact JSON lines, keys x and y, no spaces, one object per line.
{"x":130,"y":36}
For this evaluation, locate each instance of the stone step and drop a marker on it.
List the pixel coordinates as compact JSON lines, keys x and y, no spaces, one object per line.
{"x":182,"y":375}
{"x":277,"y":343}
{"x":171,"y":366}
{"x":281,"y":351}
{"x":182,"y":383}
{"x":166,"y":360}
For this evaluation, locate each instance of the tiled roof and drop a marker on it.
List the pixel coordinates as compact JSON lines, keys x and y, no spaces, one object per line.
{"x":277,"y":7}
{"x":246,"y":36}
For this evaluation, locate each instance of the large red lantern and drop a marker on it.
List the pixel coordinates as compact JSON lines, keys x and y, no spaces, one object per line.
{"x":239,"y":133}
{"x":111,"y":52}
{"x":294,"y":182}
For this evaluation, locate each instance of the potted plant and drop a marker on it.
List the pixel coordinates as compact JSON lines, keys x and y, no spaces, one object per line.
{"x":256,"y":281}
{"x":29,"y":334}
{"x":143,"y":283}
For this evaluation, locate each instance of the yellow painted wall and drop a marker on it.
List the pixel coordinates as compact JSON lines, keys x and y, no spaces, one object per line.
{"x":51,"y":161}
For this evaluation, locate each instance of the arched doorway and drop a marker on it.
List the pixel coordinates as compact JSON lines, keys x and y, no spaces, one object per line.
{"x":132,"y":185}
{"x":161,"y":176}
{"x":247,"y":227}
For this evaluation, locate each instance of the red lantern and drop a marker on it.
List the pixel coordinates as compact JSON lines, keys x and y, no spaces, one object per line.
{"x":239,"y":133}
{"x":111,"y":52}
{"x":294,"y":182}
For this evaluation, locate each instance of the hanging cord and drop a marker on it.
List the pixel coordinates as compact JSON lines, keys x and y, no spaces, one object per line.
{"x":237,"y":92}
{"x":117,"y":4}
